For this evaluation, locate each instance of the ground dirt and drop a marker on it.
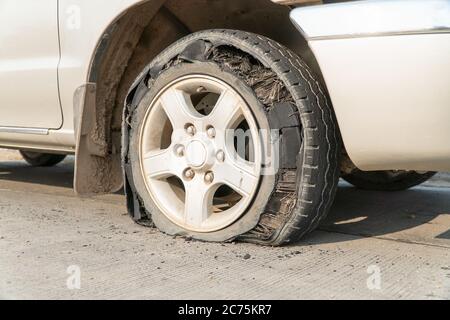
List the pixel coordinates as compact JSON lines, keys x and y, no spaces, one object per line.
{"x":45,"y":229}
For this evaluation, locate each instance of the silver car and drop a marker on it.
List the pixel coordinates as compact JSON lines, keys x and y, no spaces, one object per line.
{"x":229,"y":119}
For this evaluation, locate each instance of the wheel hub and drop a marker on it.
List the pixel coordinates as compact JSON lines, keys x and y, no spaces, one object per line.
{"x":196,"y":154}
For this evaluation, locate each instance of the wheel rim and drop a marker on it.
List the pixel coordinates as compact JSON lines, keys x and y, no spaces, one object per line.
{"x":200,"y":171}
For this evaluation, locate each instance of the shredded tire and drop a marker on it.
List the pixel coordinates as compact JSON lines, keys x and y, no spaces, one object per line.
{"x":294,"y":102}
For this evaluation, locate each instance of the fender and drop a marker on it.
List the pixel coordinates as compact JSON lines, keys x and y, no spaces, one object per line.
{"x":102,"y":56}
{"x":97,"y":169}
{"x":386,"y":66}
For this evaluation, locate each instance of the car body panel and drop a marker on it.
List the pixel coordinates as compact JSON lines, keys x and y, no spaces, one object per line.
{"x":372,"y":18}
{"x":388,"y":75}
{"x":28,"y":66}
{"x":81,"y":29}
{"x":391,"y":97}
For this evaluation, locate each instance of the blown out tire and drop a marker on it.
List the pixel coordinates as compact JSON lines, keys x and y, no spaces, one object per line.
{"x":42,"y":159}
{"x":283,"y":96}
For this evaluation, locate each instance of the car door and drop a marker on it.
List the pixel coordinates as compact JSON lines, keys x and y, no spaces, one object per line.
{"x":29,"y":57}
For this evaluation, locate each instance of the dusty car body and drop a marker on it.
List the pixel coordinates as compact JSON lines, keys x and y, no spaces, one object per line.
{"x":386,"y":67}
{"x":71,"y":72}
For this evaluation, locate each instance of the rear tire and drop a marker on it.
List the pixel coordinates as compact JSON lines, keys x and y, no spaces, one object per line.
{"x":42,"y":159}
{"x":283,"y":95}
{"x":387,"y":180}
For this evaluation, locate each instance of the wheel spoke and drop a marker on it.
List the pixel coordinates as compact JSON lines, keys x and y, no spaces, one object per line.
{"x":238,"y":174}
{"x":226,"y":111}
{"x":160,"y":164}
{"x":203,"y":155}
{"x":178,"y":107}
{"x":198,"y":202}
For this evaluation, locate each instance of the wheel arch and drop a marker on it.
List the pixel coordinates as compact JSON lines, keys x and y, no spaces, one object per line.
{"x":129,"y":43}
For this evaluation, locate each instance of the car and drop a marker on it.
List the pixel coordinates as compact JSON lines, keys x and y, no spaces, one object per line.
{"x":228,"y":120}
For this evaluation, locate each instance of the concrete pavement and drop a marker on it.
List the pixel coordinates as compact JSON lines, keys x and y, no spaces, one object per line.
{"x":372,"y":246}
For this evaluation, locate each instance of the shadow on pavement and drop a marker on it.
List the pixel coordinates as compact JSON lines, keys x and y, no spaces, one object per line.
{"x":57,"y":176}
{"x":445,"y":235}
{"x":371,"y":214}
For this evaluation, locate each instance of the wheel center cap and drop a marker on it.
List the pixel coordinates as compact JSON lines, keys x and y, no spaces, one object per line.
{"x":196,"y":154}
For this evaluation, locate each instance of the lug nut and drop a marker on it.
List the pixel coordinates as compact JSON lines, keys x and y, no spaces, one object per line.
{"x":201,"y":89}
{"x":189,"y":174}
{"x":179,"y":150}
{"x":220,"y":156}
{"x":209,"y":177}
{"x":190,"y":129}
{"x":211,"y":132}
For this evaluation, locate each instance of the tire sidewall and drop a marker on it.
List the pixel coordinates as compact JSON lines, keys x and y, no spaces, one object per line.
{"x":36,"y":159}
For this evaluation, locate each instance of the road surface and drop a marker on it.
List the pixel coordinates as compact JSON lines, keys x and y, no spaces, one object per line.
{"x":372,"y":246}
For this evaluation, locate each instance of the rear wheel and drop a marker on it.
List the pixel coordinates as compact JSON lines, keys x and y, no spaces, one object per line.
{"x":222,"y":146}
{"x":387,"y":180}
{"x":42,"y":159}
